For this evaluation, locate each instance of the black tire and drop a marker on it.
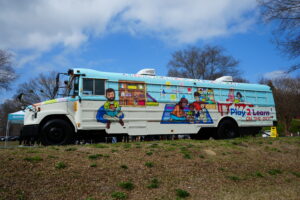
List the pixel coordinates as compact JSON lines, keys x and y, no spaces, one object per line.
{"x":57,"y":132}
{"x":204,"y":134}
{"x":227,"y":129}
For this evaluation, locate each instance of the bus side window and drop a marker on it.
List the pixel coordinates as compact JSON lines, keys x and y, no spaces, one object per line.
{"x":88,"y":86}
{"x":99,"y":87}
{"x":93,"y":87}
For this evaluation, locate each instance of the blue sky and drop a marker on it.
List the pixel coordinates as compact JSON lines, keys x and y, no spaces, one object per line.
{"x":128,"y":35}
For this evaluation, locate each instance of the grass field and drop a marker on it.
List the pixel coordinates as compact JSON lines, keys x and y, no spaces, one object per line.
{"x":243,"y":168}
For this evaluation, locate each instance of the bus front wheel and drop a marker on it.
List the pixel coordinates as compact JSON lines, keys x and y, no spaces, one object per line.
{"x":227,"y":129}
{"x":56,"y":132}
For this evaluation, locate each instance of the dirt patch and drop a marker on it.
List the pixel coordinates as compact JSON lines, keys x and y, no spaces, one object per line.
{"x":210,"y":152}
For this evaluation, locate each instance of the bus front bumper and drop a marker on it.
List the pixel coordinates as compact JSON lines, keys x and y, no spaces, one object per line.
{"x":30,"y":130}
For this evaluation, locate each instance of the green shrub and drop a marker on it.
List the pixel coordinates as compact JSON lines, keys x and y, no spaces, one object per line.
{"x":275,"y":149}
{"x":183,"y":149}
{"x":236,"y":143}
{"x":274,"y":171}
{"x":155,"y":145}
{"x":93,"y":165}
{"x":149,"y":164}
{"x":280,"y":129}
{"x":187,"y":156}
{"x":51,"y":156}
{"x":126,"y":185}
{"x":71,"y":149}
{"x":95,"y":156}
{"x":119,"y":195}
{"x":170,"y":148}
{"x":234,"y":178}
{"x":54,"y":148}
{"x":295,"y":126}
{"x":221,"y":169}
{"x":33,"y":159}
{"x":182,"y":193}
{"x":124,"y":167}
{"x":149,"y":153}
{"x":154,"y":183}
{"x":127,"y":146}
{"x":101,"y":146}
{"x":60,"y":165}
{"x":258,"y":174}
{"x":296,"y":174}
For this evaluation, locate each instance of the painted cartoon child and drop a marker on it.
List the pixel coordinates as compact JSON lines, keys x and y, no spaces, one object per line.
{"x":202,"y":113}
{"x":239,"y":98}
{"x":191,"y":113}
{"x":178,"y":113}
{"x":197,"y":103}
{"x":112,"y":108}
{"x":230,"y":95}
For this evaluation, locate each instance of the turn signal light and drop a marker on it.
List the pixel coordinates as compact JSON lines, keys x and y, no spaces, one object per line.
{"x":75,"y":107}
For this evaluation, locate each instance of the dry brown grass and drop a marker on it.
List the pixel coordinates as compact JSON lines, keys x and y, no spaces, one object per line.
{"x":228,"y":169}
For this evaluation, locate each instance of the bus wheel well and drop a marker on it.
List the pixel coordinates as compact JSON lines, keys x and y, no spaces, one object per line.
{"x":227,"y":128}
{"x":227,"y":119}
{"x":50,"y":117}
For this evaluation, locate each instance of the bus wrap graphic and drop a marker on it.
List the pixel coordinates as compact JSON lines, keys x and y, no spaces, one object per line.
{"x":191,"y":117}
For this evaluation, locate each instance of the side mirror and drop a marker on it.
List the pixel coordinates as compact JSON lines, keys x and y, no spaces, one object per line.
{"x":20,"y":97}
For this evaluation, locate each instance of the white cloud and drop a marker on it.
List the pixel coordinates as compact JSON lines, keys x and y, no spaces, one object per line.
{"x":25,"y":59}
{"x":189,"y":20}
{"x":275,"y":74}
{"x":42,"y":24}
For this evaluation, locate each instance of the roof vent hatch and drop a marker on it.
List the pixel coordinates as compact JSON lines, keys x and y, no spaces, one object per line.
{"x":224,"y":79}
{"x":147,"y":72}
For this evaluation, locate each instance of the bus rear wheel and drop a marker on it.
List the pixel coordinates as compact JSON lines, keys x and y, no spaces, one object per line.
{"x":227,"y":129}
{"x":204,"y":134}
{"x":56,"y":132}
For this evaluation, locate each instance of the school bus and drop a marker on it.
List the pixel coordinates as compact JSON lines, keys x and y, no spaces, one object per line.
{"x":106,"y":103}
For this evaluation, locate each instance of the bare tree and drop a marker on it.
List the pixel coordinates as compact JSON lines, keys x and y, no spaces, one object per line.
{"x":207,"y":63}
{"x":240,"y":80}
{"x":285,"y":14}
{"x":286,"y":93}
{"x":7,"y":73}
{"x":39,"y":89}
